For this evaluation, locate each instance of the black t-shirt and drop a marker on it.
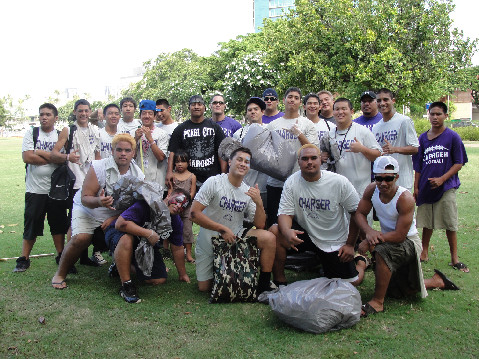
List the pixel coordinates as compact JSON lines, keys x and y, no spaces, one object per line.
{"x":201,"y":142}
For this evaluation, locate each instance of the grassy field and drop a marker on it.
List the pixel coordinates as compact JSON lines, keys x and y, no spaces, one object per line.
{"x":89,"y":319}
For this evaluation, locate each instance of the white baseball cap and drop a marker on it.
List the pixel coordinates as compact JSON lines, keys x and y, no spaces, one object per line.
{"x":382,"y":162}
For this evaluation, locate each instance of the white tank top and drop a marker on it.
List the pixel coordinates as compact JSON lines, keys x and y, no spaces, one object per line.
{"x":388,"y":214}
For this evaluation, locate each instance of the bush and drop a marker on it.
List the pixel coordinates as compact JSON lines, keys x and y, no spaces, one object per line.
{"x":469,"y":133}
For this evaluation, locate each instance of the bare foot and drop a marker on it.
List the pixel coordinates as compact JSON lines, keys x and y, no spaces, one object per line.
{"x":424,"y":256}
{"x":185,"y":278}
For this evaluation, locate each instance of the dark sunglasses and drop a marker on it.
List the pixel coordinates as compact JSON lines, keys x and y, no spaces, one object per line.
{"x":270,"y":98}
{"x":217,"y":103}
{"x":387,"y":178}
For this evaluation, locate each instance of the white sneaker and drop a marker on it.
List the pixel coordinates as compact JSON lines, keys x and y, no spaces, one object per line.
{"x":98,"y":258}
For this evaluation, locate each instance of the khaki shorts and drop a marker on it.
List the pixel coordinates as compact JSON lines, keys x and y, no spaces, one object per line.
{"x":439,"y":215}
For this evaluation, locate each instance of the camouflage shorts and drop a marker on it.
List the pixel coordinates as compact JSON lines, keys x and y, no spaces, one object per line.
{"x":235,"y":270}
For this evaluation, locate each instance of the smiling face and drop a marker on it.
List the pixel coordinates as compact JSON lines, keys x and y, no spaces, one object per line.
{"x":82,"y":114}
{"x":386,"y":182}
{"x":326,"y":102}
{"x":147,"y":118}
{"x":164,"y":113}
{"x":342,"y":114}
{"x":312,"y":107}
{"x":112,"y":116}
{"x":240,"y":164}
{"x":197,"y":109}
{"x":385,"y":103}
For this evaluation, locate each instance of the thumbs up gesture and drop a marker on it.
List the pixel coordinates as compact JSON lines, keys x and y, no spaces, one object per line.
{"x":355,"y":146}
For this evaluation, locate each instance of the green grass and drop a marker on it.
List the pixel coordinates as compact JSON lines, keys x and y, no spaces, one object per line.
{"x":89,"y":319}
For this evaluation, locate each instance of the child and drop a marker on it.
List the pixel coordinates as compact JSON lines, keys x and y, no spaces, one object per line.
{"x":440,"y":157}
{"x":186,"y":180}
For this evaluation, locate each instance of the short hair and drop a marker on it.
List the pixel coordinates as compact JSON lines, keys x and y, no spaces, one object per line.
{"x":386,"y":91}
{"x":126,"y":137}
{"x":292,"y":89}
{"x":241,"y":149}
{"x":308,"y":145}
{"x":50,"y":106}
{"x":81,"y":101}
{"x":128,"y":99}
{"x":105,"y":109}
{"x":217,"y":94}
{"x":162,"y":102}
{"x":325,"y":92}
{"x":344,"y":99}
{"x":181,"y":155}
{"x":308,"y":96}
{"x":439,"y":104}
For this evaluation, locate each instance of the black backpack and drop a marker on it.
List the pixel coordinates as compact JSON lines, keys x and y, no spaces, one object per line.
{"x":63,"y":179}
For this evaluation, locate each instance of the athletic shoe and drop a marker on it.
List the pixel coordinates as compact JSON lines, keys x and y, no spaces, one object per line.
{"x":98,"y":258}
{"x":128,"y":292}
{"x":22,"y":264}
{"x":113,"y":271}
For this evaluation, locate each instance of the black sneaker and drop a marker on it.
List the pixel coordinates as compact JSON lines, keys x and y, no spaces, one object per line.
{"x":113,"y":271}
{"x":128,"y":292}
{"x":22,"y":264}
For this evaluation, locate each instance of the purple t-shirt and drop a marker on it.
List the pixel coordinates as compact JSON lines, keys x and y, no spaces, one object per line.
{"x":268,"y":119}
{"x":369,"y":122}
{"x":433,"y":159}
{"x":139,"y":213}
{"x":229,"y":126}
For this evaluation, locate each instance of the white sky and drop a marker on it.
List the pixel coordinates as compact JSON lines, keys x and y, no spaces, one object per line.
{"x":56,"y":44}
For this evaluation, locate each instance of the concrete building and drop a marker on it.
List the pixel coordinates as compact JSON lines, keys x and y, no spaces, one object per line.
{"x":269,"y":9}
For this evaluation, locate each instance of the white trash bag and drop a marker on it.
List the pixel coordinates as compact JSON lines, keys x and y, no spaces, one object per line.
{"x":317,"y":305}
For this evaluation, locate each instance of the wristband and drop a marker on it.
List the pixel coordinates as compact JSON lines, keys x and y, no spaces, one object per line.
{"x":152,"y":233}
{"x":68,"y":157}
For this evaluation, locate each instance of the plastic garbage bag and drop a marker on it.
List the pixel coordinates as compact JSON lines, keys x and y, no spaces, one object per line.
{"x":272,"y":154}
{"x":317,"y":305}
{"x":330,"y":145}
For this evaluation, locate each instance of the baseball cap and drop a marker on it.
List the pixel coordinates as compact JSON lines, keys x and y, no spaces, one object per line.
{"x":368,"y":93}
{"x":146,"y":105}
{"x":257,"y":101}
{"x":269,"y":92}
{"x":382,"y":162}
{"x":195,"y":99}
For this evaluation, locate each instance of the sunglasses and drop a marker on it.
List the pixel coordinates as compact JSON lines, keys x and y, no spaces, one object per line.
{"x":386,"y":178}
{"x":270,"y":98}
{"x":217,"y":103}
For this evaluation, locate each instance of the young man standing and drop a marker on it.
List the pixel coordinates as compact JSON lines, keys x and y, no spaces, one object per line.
{"x":295,"y":129}
{"x":128,"y":124}
{"x":111,"y":113}
{"x":271,"y":99}
{"x":163,"y":114}
{"x":154,"y":143}
{"x":36,"y":153}
{"x":369,"y":108}
{"x":227,"y":201}
{"x":228,"y":124}
{"x":440,"y":157}
{"x":397,"y":136}
{"x":311,"y":107}
{"x":326,"y":100}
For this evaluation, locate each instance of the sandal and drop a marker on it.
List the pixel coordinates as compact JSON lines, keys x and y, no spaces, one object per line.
{"x":460,"y":266}
{"x":368,"y":309}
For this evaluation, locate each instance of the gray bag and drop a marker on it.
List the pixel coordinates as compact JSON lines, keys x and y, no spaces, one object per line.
{"x":317,"y":305}
{"x":272,"y":154}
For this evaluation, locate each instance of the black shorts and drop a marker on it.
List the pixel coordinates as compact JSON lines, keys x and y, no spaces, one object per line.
{"x":36,"y":207}
{"x":332,"y":266}
{"x":273,"y":198}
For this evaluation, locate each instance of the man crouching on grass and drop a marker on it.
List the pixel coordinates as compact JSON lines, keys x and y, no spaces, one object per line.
{"x":396,"y":248}
{"x":92,"y":205}
{"x":122,"y":239}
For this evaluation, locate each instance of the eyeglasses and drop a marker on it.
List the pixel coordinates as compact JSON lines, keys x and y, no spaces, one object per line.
{"x":217,"y":103}
{"x":387,"y":178}
{"x":270,"y":98}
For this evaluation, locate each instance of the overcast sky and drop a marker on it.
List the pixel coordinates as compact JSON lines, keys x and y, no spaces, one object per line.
{"x":57,"y":44}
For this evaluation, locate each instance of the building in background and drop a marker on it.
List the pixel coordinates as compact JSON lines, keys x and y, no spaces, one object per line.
{"x":269,"y":9}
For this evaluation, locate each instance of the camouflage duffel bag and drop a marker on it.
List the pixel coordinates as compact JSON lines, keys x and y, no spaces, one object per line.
{"x":235,"y":270}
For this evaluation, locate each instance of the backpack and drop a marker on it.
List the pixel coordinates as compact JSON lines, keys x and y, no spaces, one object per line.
{"x":35,"y":133}
{"x":63,"y":179}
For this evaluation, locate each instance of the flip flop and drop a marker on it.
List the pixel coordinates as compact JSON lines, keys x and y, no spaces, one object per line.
{"x":191,"y":261}
{"x":448,"y":284}
{"x":59,"y":283}
{"x":368,"y":309}
{"x":460,"y":266}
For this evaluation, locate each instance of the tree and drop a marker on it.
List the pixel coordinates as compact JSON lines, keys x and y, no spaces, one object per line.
{"x":348,"y":46}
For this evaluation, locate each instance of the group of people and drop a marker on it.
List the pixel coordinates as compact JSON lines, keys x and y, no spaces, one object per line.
{"x":346,"y":171}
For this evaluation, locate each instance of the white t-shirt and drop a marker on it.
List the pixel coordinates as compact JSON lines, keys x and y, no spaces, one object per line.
{"x":129,"y":127}
{"x":154,"y":171}
{"x":400,"y":132}
{"x":225,"y":204}
{"x":281,"y":126}
{"x":167,"y":128}
{"x":252,"y":177}
{"x":320,"y":207}
{"x":38,"y":178}
{"x":322,"y":127}
{"x":355,"y":166}
{"x":105,"y":143}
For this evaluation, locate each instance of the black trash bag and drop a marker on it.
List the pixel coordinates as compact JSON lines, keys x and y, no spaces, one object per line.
{"x":271,"y":153}
{"x":317,"y":305}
